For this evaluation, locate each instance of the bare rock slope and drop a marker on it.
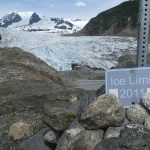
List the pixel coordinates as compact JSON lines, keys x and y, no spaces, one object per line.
{"x":24,"y":80}
{"x":26,"y":84}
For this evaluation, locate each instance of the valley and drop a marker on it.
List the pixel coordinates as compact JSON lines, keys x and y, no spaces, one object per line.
{"x":52,"y":79}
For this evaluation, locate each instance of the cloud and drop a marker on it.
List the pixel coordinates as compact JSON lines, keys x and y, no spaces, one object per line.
{"x":80,"y":4}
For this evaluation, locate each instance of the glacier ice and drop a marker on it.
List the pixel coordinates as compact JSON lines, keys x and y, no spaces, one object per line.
{"x":61,"y":51}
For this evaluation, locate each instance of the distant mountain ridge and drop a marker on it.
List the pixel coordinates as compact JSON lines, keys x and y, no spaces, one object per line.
{"x":9,"y":19}
{"x":120,"y":20}
{"x":31,"y":22}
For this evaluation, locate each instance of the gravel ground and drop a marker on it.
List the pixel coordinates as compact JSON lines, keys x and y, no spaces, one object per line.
{"x":29,"y":116}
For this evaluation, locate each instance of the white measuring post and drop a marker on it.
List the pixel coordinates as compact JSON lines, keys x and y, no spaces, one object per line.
{"x":143,"y":38}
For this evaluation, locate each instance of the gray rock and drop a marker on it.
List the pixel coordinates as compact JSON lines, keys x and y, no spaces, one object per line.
{"x":52,"y":137}
{"x":84,"y":102}
{"x":112,"y":132}
{"x":137,"y":114}
{"x":124,"y":144}
{"x":125,"y":123}
{"x":58,"y":118}
{"x":84,"y":140}
{"x":104,"y":112}
{"x":147,"y":123}
{"x":134,"y":130}
{"x":69,"y":136}
{"x":76,"y":124}
{"x":87,"y":140}
{"x":19,"y":129}
{"x":36,"y":142}
{"x":145,"y":101}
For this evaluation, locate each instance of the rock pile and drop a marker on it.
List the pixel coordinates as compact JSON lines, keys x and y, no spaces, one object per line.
{"x":103,"y":125}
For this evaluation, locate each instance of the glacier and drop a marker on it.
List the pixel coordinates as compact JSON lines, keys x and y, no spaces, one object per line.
{"x":61,"y":52}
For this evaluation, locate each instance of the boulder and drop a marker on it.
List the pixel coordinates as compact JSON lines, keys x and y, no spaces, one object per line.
{"x":69,"y":136}
{"x":145,"y":101}
{"x":137,"y":114}
{"x":52,"y":137}
{"x":132,"y":137}
{"x":58,"y":117}
{"x":36,"y":142}
{"x":84,"y":102}
{"x":103,"y":112}
{"x":87,"y":140}
{"x":77,"y":138}
{"x":147,"y":123}
{"x":124,"y":144}
{"x":19,"y":129}
{"x":134,"y":130}
{"x":112,"y":132}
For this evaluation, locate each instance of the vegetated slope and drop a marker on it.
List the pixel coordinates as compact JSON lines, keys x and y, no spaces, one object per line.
{"x":120,"y":20}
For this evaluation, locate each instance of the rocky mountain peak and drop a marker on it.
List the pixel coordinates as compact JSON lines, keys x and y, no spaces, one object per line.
{"x":62,"y":23}
{"x":10,"y":19}
{"x":34,"y":18}
{"x":33,"y":22}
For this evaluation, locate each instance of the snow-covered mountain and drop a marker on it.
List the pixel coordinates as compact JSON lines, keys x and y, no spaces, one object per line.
{"x":58,"y":51}
{"x":31,"y":22}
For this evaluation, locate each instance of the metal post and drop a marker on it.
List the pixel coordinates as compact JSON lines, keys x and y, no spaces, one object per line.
{"x":144,"y":23}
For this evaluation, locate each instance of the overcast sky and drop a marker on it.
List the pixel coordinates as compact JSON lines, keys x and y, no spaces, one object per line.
{"x":84,"y":9}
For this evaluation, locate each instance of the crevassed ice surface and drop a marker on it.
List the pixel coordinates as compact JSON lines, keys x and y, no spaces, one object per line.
{"x":60,"y":51}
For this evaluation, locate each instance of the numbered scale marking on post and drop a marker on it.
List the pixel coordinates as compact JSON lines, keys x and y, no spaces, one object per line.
{"x":143,"y":38}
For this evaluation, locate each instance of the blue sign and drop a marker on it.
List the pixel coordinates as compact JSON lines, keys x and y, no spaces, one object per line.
{"x":128,"y":85}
